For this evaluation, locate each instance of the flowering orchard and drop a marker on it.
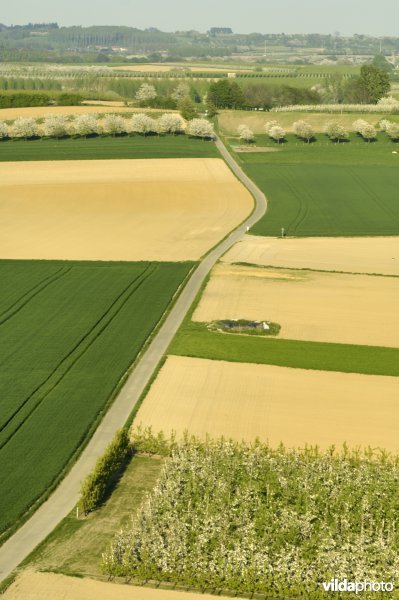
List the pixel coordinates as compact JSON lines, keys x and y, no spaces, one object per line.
{"x":227,"y":516}
{"x":381,"y":107}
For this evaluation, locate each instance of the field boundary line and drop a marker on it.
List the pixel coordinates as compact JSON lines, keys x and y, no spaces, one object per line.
{"x":65,"y":496}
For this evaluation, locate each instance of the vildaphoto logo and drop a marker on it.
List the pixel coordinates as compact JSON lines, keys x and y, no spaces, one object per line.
{"x":335,"y":585}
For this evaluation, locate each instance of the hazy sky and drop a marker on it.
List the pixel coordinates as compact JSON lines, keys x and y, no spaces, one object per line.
{"x":265,"y":16}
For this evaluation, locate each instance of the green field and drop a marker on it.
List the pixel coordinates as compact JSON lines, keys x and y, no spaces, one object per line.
{"x":326,"y":189}
{"x":69,"y":332}
{"x":179,"y":146}
{"x":194,"y":339}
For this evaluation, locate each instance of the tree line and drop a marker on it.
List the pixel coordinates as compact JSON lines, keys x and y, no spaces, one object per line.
{"x":372,"y":84}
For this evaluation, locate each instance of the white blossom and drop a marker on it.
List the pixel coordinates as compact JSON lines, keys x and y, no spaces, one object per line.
{"x":85,"y":125}
{"x":146,"y":92}
{"x":3,"y":130}
{"x":277,"y":133}
{"x":269,"y":124}
{"x":181,"y":91}
{"x":170,"y":123}
{"x":24,"y":127}
{"x":245,"y":133}
{"x":200,"y":128}
{"x":55,"y":126}
{"x":338,"y":108}
{"x":336,"y":131}
{"x":303,"y":130}
{"x":114,"y":124}
{"x":143,"y":124}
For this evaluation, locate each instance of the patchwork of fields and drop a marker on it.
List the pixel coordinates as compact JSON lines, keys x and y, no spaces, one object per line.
{"x":309,"y":305}
{"x":69,"y":332}
{"x":70,"y":329}
{"x":167,"y":209}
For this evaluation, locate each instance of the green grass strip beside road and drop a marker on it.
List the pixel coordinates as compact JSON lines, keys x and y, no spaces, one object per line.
{"x":97,"y":148}
{"x":195,"y":340}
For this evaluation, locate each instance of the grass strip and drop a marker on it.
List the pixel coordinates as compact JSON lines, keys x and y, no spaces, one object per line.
{"x":195,"y":340}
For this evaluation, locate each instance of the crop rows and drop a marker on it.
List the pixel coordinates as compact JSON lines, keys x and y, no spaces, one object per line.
{"x":251,"y":519}
{"x":69,"y":331}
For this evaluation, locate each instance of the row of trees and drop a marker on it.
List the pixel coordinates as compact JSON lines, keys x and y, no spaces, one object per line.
{"x":32,"y":98}
{"x":59,"y":126}
{"x":372,"y":84}
{"x":333,"y":129}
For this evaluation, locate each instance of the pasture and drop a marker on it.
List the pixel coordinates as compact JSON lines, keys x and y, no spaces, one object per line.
{"x":168,"y":209}
{"x":352,"y":255}
{"x":326,"y":189}
{"x":309,"y":305}
{"x":69,"y":333}
{"x":276,"y":404}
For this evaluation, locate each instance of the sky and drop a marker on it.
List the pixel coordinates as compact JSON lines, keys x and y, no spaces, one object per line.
{"x":263,"y":16}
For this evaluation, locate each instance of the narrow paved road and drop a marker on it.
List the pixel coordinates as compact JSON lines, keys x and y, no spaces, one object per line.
{"x":65,"y":497}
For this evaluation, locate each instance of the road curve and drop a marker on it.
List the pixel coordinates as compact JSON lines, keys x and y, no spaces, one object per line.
{"x":66,"y":495}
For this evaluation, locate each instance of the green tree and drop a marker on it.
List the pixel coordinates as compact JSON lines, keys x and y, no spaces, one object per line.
{"x":380,"y":62}
{"x":226,"y":94}
{"x":187,"y":109}
{"x":369,"y":87}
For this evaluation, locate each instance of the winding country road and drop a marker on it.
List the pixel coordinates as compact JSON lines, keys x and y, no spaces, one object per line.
{"x":66,"y":495}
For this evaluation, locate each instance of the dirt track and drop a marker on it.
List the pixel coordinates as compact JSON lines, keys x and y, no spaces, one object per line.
{"x":295,"y":406}
{"x":158,"y":209}
{"x":49,"y":586}
{"x":353,"y":255}
{"x":309,"y":305}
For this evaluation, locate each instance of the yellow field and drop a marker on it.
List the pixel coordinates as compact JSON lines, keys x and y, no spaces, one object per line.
{"x":158,"y":209}
{"x":278,"y":404}
{"x":353,"y":255}
{"x":49,"y":586}
{"x":309,"y":305}
{"x":229,"y":120}
{"x":9,"y":114}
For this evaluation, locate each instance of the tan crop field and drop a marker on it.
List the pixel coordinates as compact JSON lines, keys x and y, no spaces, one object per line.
{"x":157,"y":209}
{"x":49,"y":586}
{"x":309,"y":305}
{"x":229,"y":120}
{"x":295,"y":406}
{"x":352,"y":255}
{"x":9,"y":114}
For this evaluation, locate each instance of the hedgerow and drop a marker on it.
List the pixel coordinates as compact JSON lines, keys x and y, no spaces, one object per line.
{"x":97,"y":483}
